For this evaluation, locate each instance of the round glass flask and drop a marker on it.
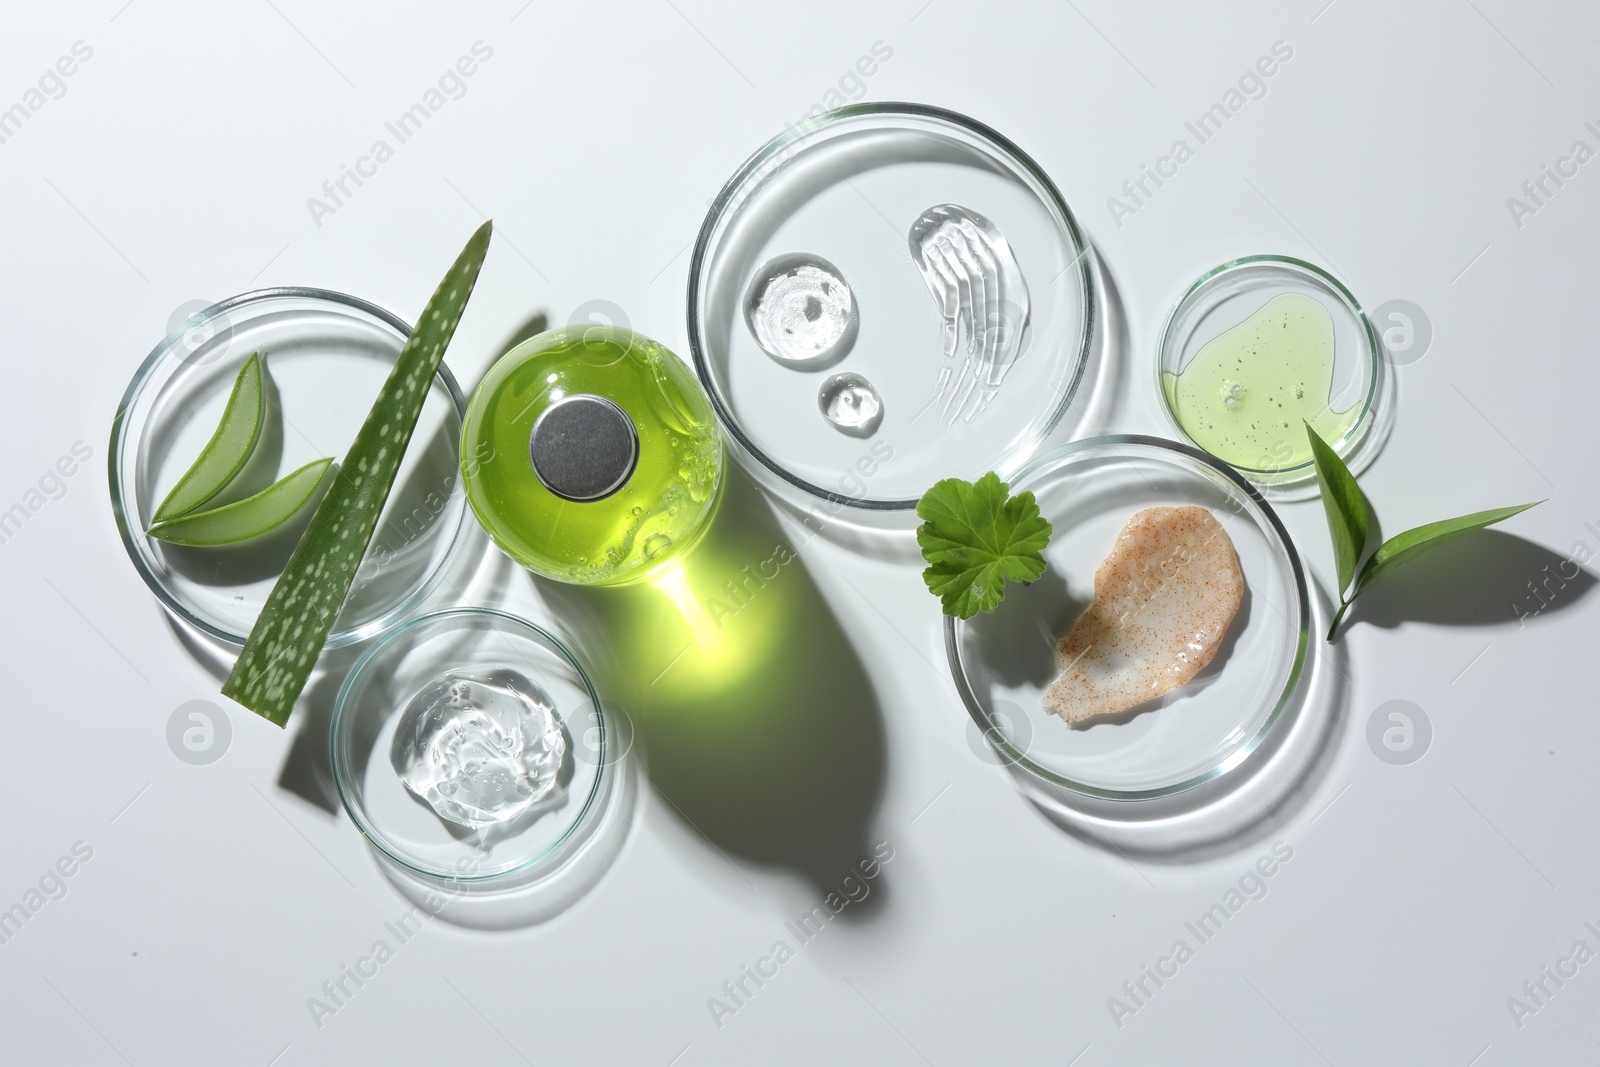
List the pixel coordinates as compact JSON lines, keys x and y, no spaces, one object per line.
{"x":591,"y":455}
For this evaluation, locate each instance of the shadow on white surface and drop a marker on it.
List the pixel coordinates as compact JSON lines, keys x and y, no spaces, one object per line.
{"x":510,"y":905}
{"x":1231,"y":813}
{"x":1489,"y":578}
{"x":757,"y":721}
{"x":1110,"y":351}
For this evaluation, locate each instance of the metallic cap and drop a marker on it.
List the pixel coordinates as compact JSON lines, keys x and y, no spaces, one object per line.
{"x":583,"y":447}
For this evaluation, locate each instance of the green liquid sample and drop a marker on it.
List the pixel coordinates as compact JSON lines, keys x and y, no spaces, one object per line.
{"x":1245,"y":394}
{"x":666,"y":503}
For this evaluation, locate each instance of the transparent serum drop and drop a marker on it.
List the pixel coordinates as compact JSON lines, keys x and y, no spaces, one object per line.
{"x":850,"y":404}
{"x":801,"y":311}
{"x":479,"y":749}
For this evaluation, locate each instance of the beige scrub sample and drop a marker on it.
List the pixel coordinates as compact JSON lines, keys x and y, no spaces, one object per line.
{"x":1163,"y":599}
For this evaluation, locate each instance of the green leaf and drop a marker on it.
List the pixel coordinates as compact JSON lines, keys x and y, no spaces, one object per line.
{"x":288,"y":635}
{"x":225,"y":454}
{"x":1405,"y":547}
{"x":247,"y":518}
{"x":974,"y":536}
{"x":1345,"y":506}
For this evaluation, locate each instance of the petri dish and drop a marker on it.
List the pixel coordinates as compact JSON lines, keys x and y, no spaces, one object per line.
{"x":1003,"y":661}
{"x":403,"y":828}
{"x":1256,"y":348}
{"x":839,"y":195}
{"x":325,"y":356}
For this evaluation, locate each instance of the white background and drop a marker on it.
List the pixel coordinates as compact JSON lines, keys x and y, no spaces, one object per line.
{"x":177,"y":166}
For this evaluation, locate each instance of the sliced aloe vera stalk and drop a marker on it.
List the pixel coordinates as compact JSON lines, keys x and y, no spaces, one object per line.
{"x":226,"y":452}
{"x":293,"y":625}
{"x":247,"y":518}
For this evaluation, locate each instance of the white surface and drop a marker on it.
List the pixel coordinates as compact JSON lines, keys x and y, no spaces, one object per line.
{"x":176,"y":167}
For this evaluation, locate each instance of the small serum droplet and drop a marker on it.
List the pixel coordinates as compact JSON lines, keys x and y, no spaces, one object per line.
{"x":850,"y":404}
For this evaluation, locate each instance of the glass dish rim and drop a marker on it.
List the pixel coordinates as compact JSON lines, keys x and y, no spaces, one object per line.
{"x":780,"y":143}
{"x":356,"y":812}
{"x":1351,"y":437}
{"x":1240,"y":752}
{"x":119,"y":433}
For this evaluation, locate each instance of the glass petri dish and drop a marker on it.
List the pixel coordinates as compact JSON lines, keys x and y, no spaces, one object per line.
{"x":404,"y":829}
{"x":841,"y":192}
{"x":326,"y":355}
{"x":1255,"y":348}
{"x":1002,"y":662}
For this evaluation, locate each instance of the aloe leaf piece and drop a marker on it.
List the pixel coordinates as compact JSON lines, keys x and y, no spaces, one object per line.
{"x":225,"y":454}
{"x":277,"y":658}
{"x":247,"y":518}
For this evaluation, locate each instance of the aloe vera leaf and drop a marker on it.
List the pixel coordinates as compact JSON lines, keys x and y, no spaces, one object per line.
{"x":247,"y":518}
{"x":225,"y":454}
{"x":277,"y":658}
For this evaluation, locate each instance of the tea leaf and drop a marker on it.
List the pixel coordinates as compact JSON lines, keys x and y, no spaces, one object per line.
{"x":1348,"y":518}
{"x":1404,"y":547}
{"x":1345,"y":506}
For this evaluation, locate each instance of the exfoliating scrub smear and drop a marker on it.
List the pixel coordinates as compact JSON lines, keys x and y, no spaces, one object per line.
{"x":1053,"y":702}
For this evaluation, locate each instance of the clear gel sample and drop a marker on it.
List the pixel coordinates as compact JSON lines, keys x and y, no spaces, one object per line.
{"x":800,"y":310}
{"x":479,"y":749}
{"x":969,"y":267}
{"x":850,"y":404}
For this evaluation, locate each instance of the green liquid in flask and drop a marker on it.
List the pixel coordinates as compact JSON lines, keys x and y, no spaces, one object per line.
{"x":537,"y":493}
{"x":1245,"y":394}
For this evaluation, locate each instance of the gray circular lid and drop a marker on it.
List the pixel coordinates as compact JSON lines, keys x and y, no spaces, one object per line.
{"x":583,"y":447}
